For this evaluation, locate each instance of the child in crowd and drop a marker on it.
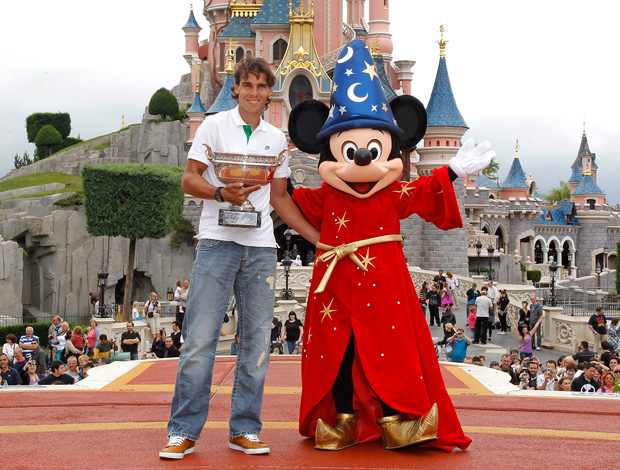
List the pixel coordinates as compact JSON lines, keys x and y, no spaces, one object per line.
{"x":471,"y":320}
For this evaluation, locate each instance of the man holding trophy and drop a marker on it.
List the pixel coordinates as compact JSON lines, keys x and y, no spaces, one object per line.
{"x":237,"y":163}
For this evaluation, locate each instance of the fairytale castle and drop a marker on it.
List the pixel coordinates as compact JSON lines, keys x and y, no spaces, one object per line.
{"x":301,"y":41}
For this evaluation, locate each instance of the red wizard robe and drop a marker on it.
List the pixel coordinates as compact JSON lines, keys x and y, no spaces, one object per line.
{"x":395,"y":357}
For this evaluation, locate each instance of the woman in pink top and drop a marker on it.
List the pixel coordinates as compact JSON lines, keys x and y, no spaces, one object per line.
{"x":92,"y":336}
{"x":608,"y":383}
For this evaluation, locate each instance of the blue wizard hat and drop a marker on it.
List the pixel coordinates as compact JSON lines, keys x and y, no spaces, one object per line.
{"x":357,"y":100}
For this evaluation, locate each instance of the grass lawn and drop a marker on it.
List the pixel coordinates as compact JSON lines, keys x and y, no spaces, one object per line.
{"x":73,"y":182}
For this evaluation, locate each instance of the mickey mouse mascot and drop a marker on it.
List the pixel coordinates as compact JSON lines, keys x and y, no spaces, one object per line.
{"x":369,"y":365}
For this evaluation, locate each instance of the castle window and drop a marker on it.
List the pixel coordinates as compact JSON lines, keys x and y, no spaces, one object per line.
{"x":437,"y":143}
{"x":239,"y":54}
{"x":300,"y":90}
{"x":591,"y":204}
{"x":279,"y":48}
{"x":447,"y":143}
{"x":549,"y":216}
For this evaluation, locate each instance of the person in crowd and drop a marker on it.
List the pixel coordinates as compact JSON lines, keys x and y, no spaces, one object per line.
{"x":82,"y":361}
{"x":84,"y":370}
{"x":26,"y":340}
{"x":563,"y":385}
{"x":550,"y":375}
{"x":471,"y":320}
{"x":57,"y":376}
{"x":613,"y":362}
{"x":39,"y":359}
{"x":70,"y":350}
{"x":135,"y":311}
{"x":77,"y":337}
{"x":605,"y":354}
{"x":585,"y":382}
{"x":524,"y":314}
{"x":176,"y":335}
{"x":103,"y":347}
{"x":151,"y":312}
{"x":494,"y":365}
{"x":472,"y":294}
{"x":530,"y":379}
{"x":448,"y":332}
{"x":434,"y":300}
{"x":483,"y":308}
{"x":178,"y":287}
{"x":104,"y":360}
{"x":62,"y":338}
{"x":583,"y":353}
{"x":310,"y":257}
{"x":506,"y":366}
{"x":234,"y":346}
{"x":467,"y":360}
{"x":598,"y":325}
{"x":502,"y":311}
{"x":453,"y":284}
{"x":19,"y":361}
{"x":459,"y":342}
{"x":53,"y":332}
{"x":293,"y":331}
{"x":476,"y":361}
{"x":29,"y":374}
{"x":8,"y":375}
{"x":72,"y":367}
{"x":92,"y":335}
{"x":536,"y":312}
{"x":182,"y":302}
{"x":184,"y":291}
{"x":446,"y":297}
{"x":439,"y":279}
{"x":483,"y":359}
{"x":607,"y":384}
{"x":158,"y":345}
{"x":563,"y":362}
{"x":297,"y":261}
{"x":130,"y":340}
{"x":526,"y":347}
{"x":9,"y":346}
{"x":169,"y":349}
{"x":448,"y":316}
{"x":422,"y":296}
{"x":613,"y":335}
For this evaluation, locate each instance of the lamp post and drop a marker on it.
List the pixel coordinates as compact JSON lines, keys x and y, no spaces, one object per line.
{"x":491,"y":250}
{"x":598,"y":273}
{"x":286,"y":293}
{"x":553,"y":267}
{"x":478,"y":250}
{"x":102,"y":278}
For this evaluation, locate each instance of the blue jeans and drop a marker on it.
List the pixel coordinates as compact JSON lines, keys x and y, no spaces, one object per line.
{"x":537,"y":338}
{"x":222,"y":267}
{"x":291,"y":346}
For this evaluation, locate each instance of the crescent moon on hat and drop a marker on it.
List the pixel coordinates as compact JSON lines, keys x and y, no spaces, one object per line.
{"x":353,"y":97}
{"x":347,"y":56}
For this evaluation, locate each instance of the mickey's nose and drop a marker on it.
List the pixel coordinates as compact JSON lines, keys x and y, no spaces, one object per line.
{"x":362,"y":157}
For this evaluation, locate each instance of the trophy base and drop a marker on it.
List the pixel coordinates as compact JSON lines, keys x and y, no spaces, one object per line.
{"x":239,"y":218}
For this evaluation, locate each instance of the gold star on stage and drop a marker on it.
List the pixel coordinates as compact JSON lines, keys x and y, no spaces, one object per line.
{"x":404,"y":189}
{"x":384,"y":107}
{"x":367,"y":260}
{"x":334,"y":88}
{"x":341,"y":222}
{"x":327,"y":311}
{"x":371,"y":70}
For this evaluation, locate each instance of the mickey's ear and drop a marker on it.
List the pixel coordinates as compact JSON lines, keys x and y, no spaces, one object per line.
{"x":305,"y":122}
{"x":410,"y":114}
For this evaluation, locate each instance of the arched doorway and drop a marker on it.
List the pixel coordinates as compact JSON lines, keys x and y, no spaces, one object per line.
{"x":499,"y":233}
{"x":565,"y":253}
{"x":538,"y":252}
{"x":553,"y":251}
{"x":299,"y":91}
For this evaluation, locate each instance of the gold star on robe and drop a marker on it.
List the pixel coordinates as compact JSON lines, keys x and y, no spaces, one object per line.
{"x":384,"y":107}
{"x":309,"y":336}
{"x":341,"y":222}
{"x":404,"y":189}
{"x":327,"y":311}
{"x":367,"y":260}
{"x":370,"y":70}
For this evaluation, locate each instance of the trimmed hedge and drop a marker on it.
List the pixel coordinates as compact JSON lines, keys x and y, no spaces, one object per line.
{"x":46,"y":138}
{"x":534,"y":275}
{"x":132,"y":200}
{"x":163,"y":103}
{"x":60,"y":121}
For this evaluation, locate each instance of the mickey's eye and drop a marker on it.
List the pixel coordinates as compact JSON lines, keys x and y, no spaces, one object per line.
{"x":375,"y":149}
{"x":348,"y":151}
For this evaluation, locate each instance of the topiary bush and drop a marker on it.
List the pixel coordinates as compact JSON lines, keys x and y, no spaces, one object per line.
{"x":183,"y":232}
{"x":47,"y":138}
{"x":60,"y":121}
{"x":534,"y":275}
{"x":164,"y":104}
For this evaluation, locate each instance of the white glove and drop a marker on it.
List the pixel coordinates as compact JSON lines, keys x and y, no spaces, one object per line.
{"x":471,"y":159}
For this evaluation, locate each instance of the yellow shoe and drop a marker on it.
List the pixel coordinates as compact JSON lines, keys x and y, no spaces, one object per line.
{"x":337,"y":438}
{"x":177,"y":448}
{"x":249,"y":444}
{"x":399,"y":432}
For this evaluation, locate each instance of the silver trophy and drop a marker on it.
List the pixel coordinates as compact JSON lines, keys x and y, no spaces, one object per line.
{"x":246,"y":169}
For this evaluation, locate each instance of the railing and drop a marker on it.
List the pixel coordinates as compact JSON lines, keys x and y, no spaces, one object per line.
{"x":580,"y":302}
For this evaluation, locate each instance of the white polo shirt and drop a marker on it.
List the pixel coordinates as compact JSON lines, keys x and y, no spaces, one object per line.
{"x":224,"y":132}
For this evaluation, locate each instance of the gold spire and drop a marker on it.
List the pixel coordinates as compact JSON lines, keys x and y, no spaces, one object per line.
{"x":530,"y":179}
{"x":230,"y":57}
{"x":191,"y":7}
{"x":442,"y":43}
{"x":198,"y":83}
{"x":123,"y":122}
{"x":517,"y":149}
{"x":588,"y":172}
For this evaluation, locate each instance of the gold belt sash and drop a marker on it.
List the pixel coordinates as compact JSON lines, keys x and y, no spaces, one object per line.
{"x":347,"y":249}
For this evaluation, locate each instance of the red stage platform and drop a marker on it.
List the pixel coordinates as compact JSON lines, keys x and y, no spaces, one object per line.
{"x":123,"y":426}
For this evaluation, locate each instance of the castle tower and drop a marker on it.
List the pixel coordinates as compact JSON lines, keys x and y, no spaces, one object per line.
{"x":355,"y":14}
{"x":446,"y":126}
{"x":575,"y":179}
{"x":224,"y":100}
{"x":379,"y":27}
{"x":584,"y":156}
{"x":515,"y":185}
{"x":196,"y":113}
{"x":587,"y":195}
{"x":191,"y":30}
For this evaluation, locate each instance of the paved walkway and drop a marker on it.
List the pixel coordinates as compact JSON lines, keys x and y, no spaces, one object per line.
{"x":117,"y":419}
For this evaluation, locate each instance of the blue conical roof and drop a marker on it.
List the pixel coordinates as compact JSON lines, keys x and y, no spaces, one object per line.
{"x":575,"y":177}
{"x":197,"y":106}
{"x":224,"y":101}
{"x":390,"y":94}
{"x":588,"y":186}
{"x":442,"y":110}
{"x":516,"y":176}
{"x":191,"y":21}
{"x":274,"y":12}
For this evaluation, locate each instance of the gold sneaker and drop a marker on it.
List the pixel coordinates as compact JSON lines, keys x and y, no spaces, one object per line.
{"x":249,"y":444}
{"x":399,"y":432}
{"x":177,"y":448}
{"x":343,"y":435}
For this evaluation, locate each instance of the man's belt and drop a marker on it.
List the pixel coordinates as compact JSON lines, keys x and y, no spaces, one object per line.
{"x":347,"y":249}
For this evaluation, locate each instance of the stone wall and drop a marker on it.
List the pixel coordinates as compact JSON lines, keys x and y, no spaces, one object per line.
{"x":11,"y":278}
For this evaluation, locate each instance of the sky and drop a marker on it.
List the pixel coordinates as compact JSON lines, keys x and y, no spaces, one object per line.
{"x":528,"y":70}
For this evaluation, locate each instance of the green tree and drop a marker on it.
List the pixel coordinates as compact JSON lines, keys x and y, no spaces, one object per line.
{"x":558,"y":194}
{"x":132,"y":201}
{"x":46,"y":138}
{"x":23,"y":161}
{"x":164,"y":103}
{"x":491,"y":170}
{"x":60,"y":121}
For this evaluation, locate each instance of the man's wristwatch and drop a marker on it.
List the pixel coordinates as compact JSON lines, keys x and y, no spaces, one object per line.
{"x":218,"y":194}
